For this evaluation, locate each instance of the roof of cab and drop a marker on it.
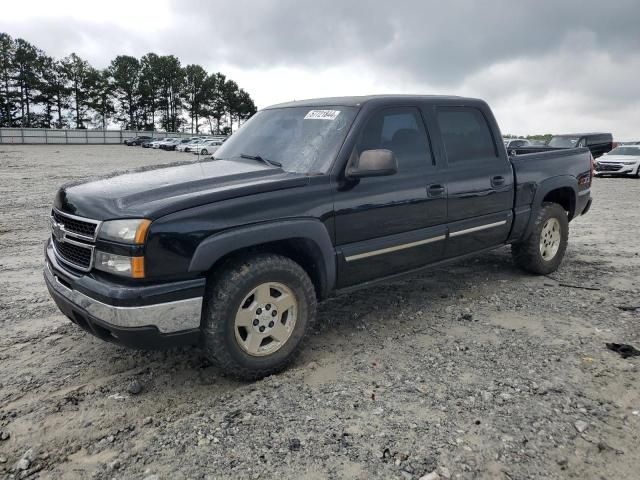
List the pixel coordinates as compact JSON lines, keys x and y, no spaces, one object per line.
{"x":359,"y":101}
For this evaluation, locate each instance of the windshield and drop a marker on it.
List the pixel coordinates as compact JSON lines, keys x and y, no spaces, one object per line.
{"x":625,"y":151}
{"x":302,"y":139}
{"x":566,"y":142}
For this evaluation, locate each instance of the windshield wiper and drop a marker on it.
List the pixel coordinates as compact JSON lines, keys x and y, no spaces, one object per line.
{"x":272,"y":163}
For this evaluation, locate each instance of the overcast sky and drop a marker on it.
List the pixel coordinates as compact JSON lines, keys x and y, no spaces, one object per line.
{"x":544,"y":66}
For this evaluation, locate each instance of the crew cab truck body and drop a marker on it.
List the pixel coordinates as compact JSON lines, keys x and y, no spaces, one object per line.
{"x":308,"y":199}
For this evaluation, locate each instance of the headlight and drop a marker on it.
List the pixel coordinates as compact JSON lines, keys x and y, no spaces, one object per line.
{"x":125,"y":231}
{"x":119,"y":265}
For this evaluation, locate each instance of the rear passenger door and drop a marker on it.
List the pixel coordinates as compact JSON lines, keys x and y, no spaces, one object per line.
{"x":387,"y":225}
{"x":479,"y":180}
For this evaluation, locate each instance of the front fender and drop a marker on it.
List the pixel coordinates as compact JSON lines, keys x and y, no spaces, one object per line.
{"x":218,"y":245}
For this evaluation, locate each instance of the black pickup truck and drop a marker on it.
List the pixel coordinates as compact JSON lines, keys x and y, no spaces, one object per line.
{"x":306,"y":200}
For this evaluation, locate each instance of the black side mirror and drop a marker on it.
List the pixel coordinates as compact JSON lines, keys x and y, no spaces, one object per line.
{"x":372,"y":163}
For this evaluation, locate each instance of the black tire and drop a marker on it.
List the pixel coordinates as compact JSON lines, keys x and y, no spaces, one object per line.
{"x":638,"y":172}
{"x":526,"y":254}
{"x":203,"y":151}
{"x":225,"y":292}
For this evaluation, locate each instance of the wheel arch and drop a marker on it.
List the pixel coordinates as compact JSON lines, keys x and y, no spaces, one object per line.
{"x":562,"y":190}
{"x":563,"y":196}
{"x":305,"y":241}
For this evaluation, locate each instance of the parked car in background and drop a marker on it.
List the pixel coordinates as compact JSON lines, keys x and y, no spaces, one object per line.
{"x":193,"y":147}
{"x":623,"y":160}
{"x":190,"y":143}
{"x":153,"y":143}
{"x":157,"y":144}
{"x":207,"y":147}
{"x":515,"y":142}
{"x":139,"y":140}
{"x":171,"y":144}
{"x":510,"y":143}
{"x":598,"y":143}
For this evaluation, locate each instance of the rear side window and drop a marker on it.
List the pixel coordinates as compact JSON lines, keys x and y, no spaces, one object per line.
{"x":400,"y":130}
{"x":466,"y":134}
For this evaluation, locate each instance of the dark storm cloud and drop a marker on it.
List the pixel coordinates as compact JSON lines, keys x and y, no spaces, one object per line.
{"x":564,"y":64}
{"x":433,"y":41}
{"x":439,"y":43}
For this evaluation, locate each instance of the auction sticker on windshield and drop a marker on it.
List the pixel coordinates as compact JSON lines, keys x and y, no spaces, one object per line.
{"x":322,"y":115}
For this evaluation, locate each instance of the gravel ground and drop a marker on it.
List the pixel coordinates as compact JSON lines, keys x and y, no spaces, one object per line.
{"x":472,"y":371}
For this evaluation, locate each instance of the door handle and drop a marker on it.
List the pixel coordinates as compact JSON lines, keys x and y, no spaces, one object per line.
{"x":435,"y":190}
{"x":497,"y":180}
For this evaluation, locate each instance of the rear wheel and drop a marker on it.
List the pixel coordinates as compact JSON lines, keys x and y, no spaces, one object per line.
{"x":257,"y":315}
{"x":204,"y":151}
{"x":544,"y":250}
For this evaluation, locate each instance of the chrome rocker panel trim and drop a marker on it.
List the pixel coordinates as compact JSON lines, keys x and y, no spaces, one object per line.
{"x":395,"y":248}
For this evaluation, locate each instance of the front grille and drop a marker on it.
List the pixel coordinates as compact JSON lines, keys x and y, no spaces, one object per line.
{"x":73,"y":239}
{"x":74,"y":254}
{"x":75,"y":225}
{"x":603,"y":167}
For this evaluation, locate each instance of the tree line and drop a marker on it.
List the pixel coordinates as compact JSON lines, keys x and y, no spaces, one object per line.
{"x":37,"y":90}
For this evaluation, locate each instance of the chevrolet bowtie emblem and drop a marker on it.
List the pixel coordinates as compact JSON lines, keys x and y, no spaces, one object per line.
{"x":57,"y":229}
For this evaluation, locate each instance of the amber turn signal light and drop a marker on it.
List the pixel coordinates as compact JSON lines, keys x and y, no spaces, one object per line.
{"x":141,"y":232}
{"x":137,"y":267}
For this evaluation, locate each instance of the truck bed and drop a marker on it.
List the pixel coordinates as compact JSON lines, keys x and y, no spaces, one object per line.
{"x":533,"y":170}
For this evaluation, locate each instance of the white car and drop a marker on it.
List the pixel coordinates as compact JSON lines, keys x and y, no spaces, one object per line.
{"x":207,"y":147}
{"x":187,"y":147}
{"x":156,"y":143}
{"x":623,"y":160}
{"x":166,"y":141}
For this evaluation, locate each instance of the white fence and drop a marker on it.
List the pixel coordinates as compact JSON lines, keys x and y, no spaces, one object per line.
{"x":53,"y":136}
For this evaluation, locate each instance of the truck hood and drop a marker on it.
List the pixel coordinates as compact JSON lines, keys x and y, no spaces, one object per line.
{"x":152,"y":192}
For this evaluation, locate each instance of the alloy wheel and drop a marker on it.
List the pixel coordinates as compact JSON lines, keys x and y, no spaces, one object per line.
{"x":265,"y":319}
{"x":550,"y":239}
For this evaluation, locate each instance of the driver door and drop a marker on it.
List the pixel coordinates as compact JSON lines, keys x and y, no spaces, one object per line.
{"x":387,"y":225}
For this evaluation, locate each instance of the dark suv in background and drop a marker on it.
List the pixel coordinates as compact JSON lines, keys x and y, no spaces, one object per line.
{"x":598,"y":143}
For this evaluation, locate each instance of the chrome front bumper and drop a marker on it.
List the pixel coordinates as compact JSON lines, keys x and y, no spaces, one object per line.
{"x":168,"y":317}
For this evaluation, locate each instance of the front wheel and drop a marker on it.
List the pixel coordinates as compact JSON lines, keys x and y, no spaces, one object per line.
{"x":543,"y":251}
{"x":258,"y":311}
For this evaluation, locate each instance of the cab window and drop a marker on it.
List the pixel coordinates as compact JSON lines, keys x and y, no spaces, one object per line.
{"x":466,"y":135}
{"x":400,"y":130}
